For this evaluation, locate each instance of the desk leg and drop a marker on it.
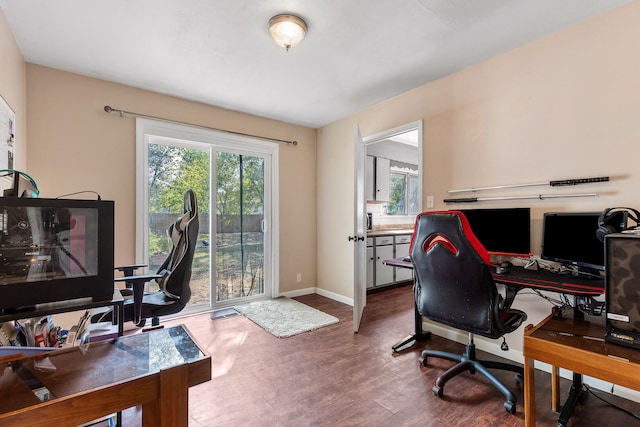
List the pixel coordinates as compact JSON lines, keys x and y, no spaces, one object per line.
{"x":171,"y":409}
{"x":418,"y":336}
{"x":529,"y":393}
{"x":576,"y":394}
{"x":555,"y":389}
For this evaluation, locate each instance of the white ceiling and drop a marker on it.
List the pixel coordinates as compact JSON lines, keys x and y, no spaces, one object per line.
{"x":219,"y":52}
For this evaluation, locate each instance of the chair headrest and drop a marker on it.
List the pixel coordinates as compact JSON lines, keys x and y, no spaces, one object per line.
{"x":466,"y":230}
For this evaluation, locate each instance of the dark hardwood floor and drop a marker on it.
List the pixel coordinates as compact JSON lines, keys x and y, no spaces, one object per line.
{"x":332,"y":376}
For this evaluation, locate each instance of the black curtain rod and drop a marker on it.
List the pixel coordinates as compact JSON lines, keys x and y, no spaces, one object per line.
{"x":109,"y":109}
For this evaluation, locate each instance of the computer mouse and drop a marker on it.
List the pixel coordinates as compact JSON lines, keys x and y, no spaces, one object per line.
{"x":503,"y":268}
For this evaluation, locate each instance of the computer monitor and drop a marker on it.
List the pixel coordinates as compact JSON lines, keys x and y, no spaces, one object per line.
{"x":502,"y":231}
{"x":570,"y":238}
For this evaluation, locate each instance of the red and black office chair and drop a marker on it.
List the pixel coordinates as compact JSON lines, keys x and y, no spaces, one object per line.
{"x":454,"y":287}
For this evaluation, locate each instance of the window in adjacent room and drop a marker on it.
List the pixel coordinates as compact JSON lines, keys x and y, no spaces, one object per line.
{"x":403,"y":192}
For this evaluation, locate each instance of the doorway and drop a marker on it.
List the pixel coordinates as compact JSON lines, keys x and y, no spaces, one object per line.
{"x":405,"y":144}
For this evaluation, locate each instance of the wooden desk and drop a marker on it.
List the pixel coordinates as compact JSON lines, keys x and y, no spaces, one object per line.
{"x":577,"y":345}
{"x":153,"y":369}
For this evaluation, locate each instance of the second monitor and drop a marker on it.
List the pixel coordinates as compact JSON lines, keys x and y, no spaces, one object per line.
{"x":570,"y":238}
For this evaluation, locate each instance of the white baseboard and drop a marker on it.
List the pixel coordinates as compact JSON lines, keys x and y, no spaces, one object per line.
{"x":298,"y":292}
{"x":321,"y":292}
{"x":335,"y":297}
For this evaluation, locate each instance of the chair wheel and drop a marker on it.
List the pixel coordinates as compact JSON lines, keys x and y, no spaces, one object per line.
{"x":510,"y":407}
{"x":519,"y":379}
{"x":437,"y":391}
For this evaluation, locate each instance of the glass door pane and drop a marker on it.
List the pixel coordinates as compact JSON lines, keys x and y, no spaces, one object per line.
{"x":174,"y":169}
{"x":240,"y":219}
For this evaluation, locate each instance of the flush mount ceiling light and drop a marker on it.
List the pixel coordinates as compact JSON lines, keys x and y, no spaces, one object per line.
{"x":287,"y":30}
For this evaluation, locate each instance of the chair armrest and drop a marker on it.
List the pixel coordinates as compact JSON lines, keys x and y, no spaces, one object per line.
{"x":142,"y":278}
{"x":129,"y":269}
{"x":137,"y":282}
{"x":510,"y":295}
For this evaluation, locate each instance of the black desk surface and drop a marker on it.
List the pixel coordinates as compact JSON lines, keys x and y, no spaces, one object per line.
{"x":536,"y":279}
{"x":547,"y":281}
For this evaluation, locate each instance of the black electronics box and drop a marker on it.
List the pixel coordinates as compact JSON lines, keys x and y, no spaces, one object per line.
{"x":622,"y":285}
{"x":54,"y":250}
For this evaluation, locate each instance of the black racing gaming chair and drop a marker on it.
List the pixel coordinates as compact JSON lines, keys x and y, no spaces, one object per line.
{"x":173,"y":276}
{"x":454,"y":287}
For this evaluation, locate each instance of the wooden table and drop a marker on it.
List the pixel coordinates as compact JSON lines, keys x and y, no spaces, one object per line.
{"x":153,"y":369}
{"x":577,"y":345}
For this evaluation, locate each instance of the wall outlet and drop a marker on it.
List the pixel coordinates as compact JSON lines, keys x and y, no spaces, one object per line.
{"x":429,"y":201}
{"x":299,"y":277}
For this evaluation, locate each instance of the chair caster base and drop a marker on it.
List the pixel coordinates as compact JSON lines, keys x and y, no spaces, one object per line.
{"x":437,"y":391}
{"x":510,"y":407}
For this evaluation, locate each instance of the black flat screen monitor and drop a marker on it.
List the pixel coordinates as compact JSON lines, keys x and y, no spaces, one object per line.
{"x":505,"y":231}
{"x":54,"y":250}
{"x":570,"y":238}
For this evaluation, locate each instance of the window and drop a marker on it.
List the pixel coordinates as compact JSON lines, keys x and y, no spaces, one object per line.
{"x":403,"y":193}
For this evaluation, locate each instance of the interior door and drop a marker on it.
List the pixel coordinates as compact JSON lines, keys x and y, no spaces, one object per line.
{"x":409,"y":134}
{"x":359,"y":237}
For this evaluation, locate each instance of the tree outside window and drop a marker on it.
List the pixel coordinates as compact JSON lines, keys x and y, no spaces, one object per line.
{"x":403,"y":194}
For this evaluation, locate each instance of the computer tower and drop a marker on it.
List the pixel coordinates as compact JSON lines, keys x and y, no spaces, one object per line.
{"x":622,"y":286}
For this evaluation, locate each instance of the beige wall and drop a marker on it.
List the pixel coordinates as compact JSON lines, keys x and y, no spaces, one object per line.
{"x":74,"y":145}
{"x":13,"y":89}
{"x":565,"y":106}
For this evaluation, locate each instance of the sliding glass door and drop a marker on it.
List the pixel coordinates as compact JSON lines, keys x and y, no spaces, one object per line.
{"x":233,"y":180}
{"x":240,"y":227}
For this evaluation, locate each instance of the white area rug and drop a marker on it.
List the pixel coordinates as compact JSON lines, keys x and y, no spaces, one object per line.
{"x":284,"y":317}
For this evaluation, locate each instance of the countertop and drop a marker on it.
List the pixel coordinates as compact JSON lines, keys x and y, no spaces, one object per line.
{"x":389,"y":232}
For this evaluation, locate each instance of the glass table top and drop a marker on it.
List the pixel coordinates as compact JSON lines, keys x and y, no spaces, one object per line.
{"x":63,"y":372}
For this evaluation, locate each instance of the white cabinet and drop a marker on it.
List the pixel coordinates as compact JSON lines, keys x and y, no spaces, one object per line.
{"x":402,"y":250}
{"x":377,"y":179}
{"x":370,"y":178}
{"x":383,"y":167}
{"x":384,"y":273}
{"x":380,"y":248}
{"x":371,"y":262}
